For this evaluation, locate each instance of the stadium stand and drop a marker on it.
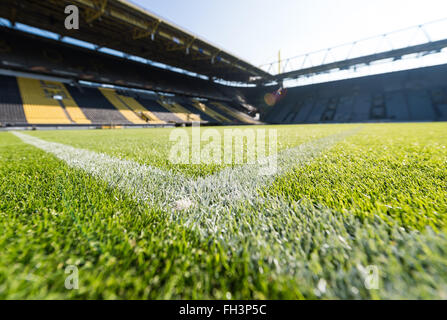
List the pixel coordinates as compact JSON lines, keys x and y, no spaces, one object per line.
{"x":411,"y":95}
{"x":360,"y":111}
{"x":188,"y":105}
{"x":122,"y":26}
{"x":387,"y":97}
{"x":202,"y":107}
{"x":81,"y":104}
{"x":123,"y":108}
{"x":303,"y":113}
{"x":96,"y":107}
{"x":235,"y":115}
{"x":420,"y":105}
{"x":439,"y":100}
{"x":35,"y":101}
{"x":400,"y":110}
{"x":104,"y":81}
{"x":40,"y":94}
{"x":62,"y":59}
{"x":180,"y":112}
{"x":150,"y":103}
{"x":45,"y":102}
{"x":39,"y":103}
{"x":344,"y":109}
{"x":11,"y":107}
{"x":133,"y":104}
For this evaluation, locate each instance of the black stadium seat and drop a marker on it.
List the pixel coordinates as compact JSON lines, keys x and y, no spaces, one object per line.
{"x":410,"y":95}
{"x":96,"y":107}
{"x":11,"y":108}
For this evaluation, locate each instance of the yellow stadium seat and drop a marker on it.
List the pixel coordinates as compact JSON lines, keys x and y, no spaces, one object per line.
{"x":41,"y":107}
{"x":179,"y":111}
{"x":118,"y":103}
{"x":234,"y":113}
{"x":213,"y":114}
{"x":139,"y":109}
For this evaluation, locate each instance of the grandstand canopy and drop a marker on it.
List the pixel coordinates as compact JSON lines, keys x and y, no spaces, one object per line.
{"x":123,"y":26}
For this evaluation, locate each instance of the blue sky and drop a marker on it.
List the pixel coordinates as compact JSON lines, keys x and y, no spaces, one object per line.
{"x":256,"y":29}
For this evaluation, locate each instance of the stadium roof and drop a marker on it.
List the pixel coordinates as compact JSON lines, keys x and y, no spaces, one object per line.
{"x":126,"y":27}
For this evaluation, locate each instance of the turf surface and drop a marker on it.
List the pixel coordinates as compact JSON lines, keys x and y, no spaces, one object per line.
{"x":376,"y":198}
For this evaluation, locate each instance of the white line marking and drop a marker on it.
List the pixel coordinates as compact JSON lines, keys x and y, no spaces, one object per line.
{"x":163,"y":188}
{"x":225,"y":205}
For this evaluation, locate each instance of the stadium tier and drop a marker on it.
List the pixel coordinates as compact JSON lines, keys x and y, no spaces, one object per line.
{"x":48,"y":86}
{"x":47,"y":102}
{"x":56,"y":58}
{"x":132,"y":104}
{"x":411,"y":95}
{"x":180,"y":112}
{"x":11,"y":107}
{"x":30,"y":101}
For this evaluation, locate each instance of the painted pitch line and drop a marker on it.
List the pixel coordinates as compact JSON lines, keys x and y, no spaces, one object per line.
{"x":228,"y":188}
{"x":225,"y":205}
{"x":147,"y":183}
{"x":199,"y":198}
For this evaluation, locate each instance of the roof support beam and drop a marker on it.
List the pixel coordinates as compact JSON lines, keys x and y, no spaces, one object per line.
{"x":182,"y":44}
{"x":150,"y":30}
{"x":154,"y":29}
{"x":213,"y":58}
{"x":189,"y":44}
{"x":346,"y":64}
{"x":13,"y":16}
{"x":104,"y":19}
{"x":93,"y":14}
{"x":174,"y":47}
{"x":140,"y":34}
{"x":199,"y":57}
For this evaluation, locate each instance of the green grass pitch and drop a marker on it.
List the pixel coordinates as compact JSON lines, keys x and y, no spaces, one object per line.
{"x":373,"y":198}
